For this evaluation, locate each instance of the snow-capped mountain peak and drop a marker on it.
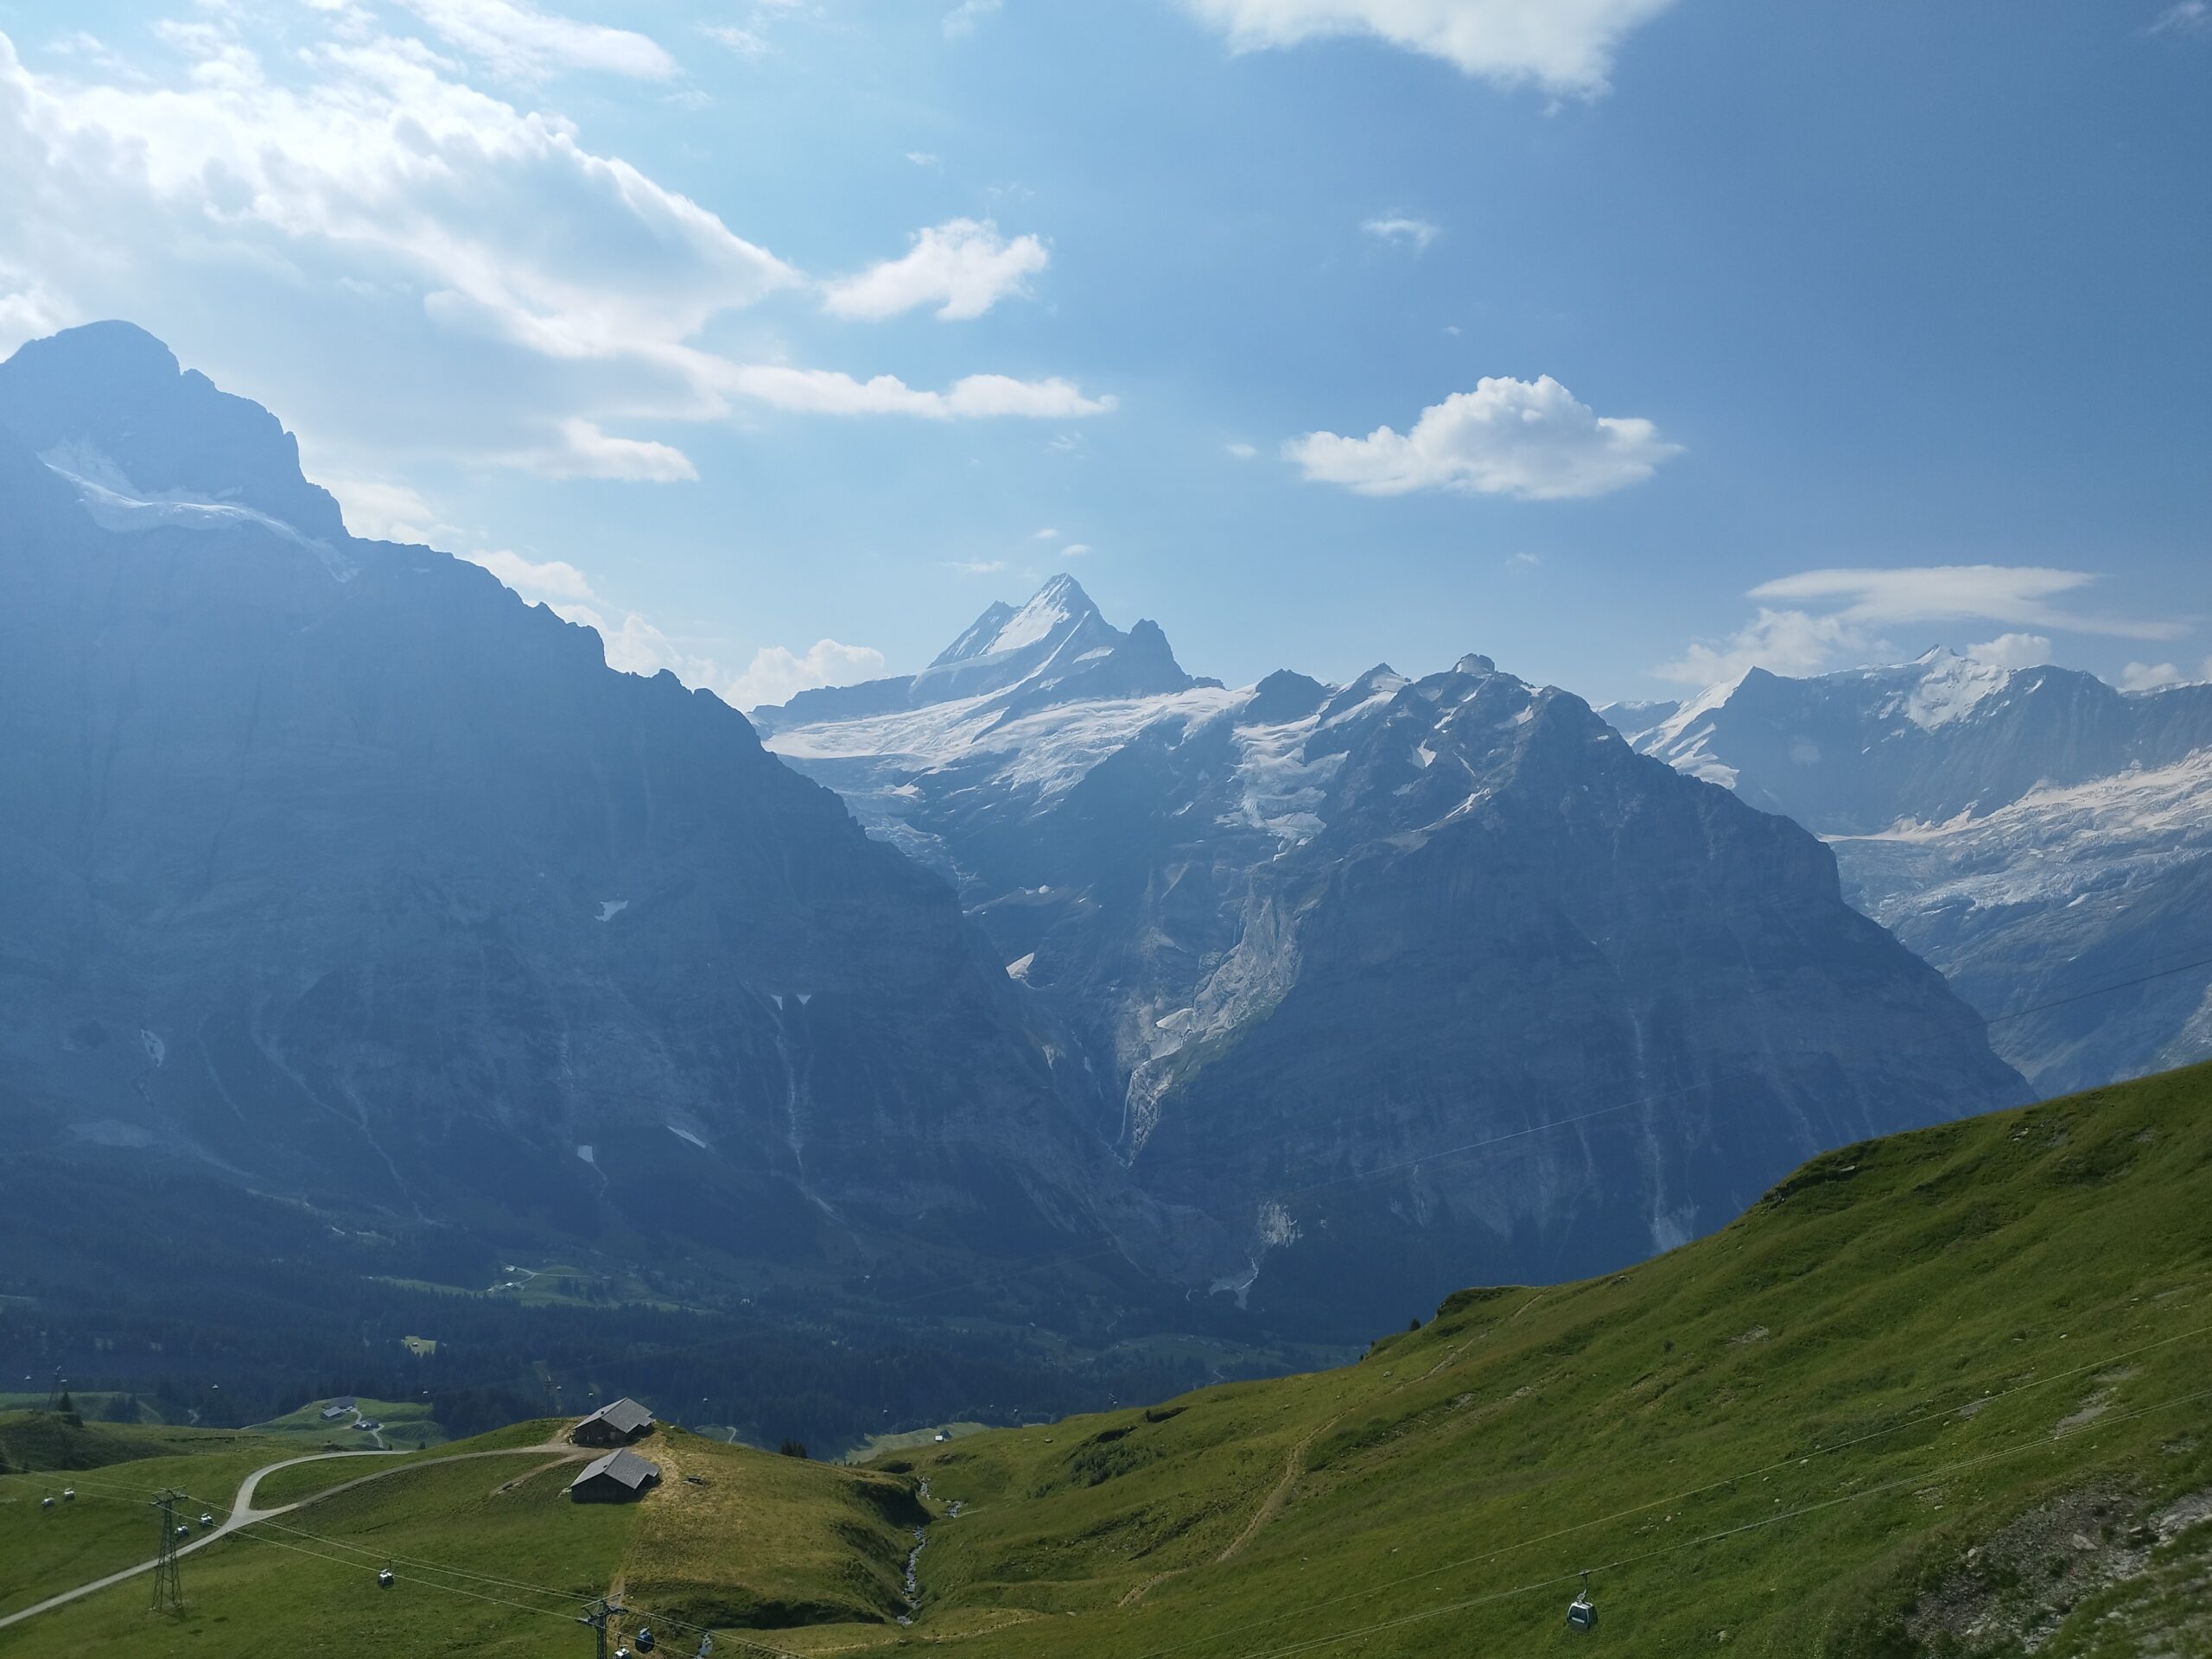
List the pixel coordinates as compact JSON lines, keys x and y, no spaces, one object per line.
{"x":1056,"y":648}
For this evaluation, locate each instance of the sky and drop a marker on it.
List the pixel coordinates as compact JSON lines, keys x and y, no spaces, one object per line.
{"x":1628,"y":342}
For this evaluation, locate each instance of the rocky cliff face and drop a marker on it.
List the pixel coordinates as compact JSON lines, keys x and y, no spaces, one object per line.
{"x":1416,"y":980}
{"x":332,"y":864}
{"x":2038,"y":835}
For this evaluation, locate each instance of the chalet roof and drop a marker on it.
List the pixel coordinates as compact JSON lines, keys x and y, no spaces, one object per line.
{"x":624,"y":1414}
{"x":625,"y":1467}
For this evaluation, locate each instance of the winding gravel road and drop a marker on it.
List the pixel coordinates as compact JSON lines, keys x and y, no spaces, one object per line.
{"x":243,"y":1514}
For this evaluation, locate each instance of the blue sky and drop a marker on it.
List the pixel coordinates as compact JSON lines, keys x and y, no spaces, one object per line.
{"x":1628,"y":341}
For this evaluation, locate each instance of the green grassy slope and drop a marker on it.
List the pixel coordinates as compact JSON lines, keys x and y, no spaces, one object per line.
{"x":1933,"y":1395}
{"x":492,"y":1557}
{"x":1908,"y":1348}
{"x":109,"y":1525}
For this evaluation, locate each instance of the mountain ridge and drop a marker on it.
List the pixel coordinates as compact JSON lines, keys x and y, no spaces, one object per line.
{"x":1176,"y":875}
{"x":2035,"y":833}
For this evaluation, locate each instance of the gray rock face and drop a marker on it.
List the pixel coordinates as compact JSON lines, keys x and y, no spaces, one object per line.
{"x":2036,"y":834}
{"x":1412,"y":982}
{"x":334,"y":865}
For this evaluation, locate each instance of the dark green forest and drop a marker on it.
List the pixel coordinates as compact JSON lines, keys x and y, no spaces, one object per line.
{"x":224,"y":1307}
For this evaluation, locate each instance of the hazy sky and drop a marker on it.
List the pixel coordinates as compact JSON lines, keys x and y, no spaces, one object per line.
{"x":1627,"y":341}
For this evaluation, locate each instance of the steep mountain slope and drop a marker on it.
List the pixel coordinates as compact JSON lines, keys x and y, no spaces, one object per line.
{"x":2060,"y":903}
{"x":1942,"y":1393}
{"x":2033,"y":832}
{"x":332,"y":866}
{"x":1318,"y":942}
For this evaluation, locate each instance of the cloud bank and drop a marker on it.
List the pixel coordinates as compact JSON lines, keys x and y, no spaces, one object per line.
{"x":1819,"y":619}
{"x":361,"y":165}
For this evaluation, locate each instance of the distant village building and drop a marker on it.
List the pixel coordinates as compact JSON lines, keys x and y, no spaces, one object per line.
{"x":619,"y":1423}
{"x":617,"y":1478}
{"x":337,"y":1408}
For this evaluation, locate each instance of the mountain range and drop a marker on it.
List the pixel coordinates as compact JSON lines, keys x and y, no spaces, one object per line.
{"x":2044,"y":839}
{"x":337,"y":871}
{"x":1340,"y":957}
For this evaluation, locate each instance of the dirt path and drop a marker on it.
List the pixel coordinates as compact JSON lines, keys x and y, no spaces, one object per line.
{"x":243,"y":1514}
{"x":1295,"y":1465}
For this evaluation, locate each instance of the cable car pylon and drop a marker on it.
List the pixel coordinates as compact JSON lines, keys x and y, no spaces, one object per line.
{"x":169,"y":1589}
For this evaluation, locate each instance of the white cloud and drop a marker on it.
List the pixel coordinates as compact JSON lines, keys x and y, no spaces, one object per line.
{"x":1077,"y":550}
{"x":1242,"y":451}
{"x":1400,"y":228}
{"x":554,"y":582}
{"x":1047,"y":534}
{"x":1786,"y":638}
{"x":746,"y":43}
{"x":961,"y":21}
{"x":1565,"y":46}
{"x":504,"y":220}
{"x":962,"y":267}
{"x":586,"y":452}
{"x":28,"y":312}
{"x":778,"y":674}
{"x":636,"y":646}
{"x":385,"y":510}
{"x":2150,"y":677}
{"x":2013,"y":650}
{"x":825,"y":392}
{"x":563,"y":289}
{"x":2020,"y":594}
{"x":976,"y":567}
{"x":1528,"y":439}
{"x":1781,"y":642}
{"x":519,"y":42}
{"x":2184,"y":16}
{"x":924,"y":158}
{"x":1526,"y":560}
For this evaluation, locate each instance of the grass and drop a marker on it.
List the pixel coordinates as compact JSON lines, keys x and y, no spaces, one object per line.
{"x":404,"y":1423}
{"x":880,"y":1446}
{"x":491,"y":1556}
{"x":111,"y":1524}
{"x":1954,"y":1382}
{"x":1906,"y":1347}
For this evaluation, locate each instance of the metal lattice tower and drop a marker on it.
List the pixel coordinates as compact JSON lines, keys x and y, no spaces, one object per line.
{"x":169,"y":1589}
{"x":596,"y":1617}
